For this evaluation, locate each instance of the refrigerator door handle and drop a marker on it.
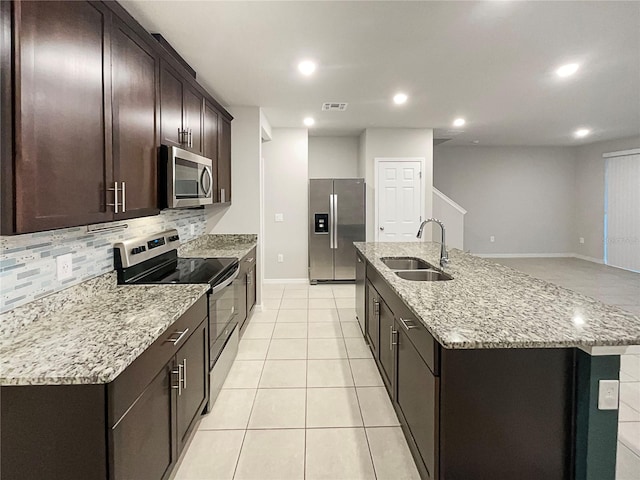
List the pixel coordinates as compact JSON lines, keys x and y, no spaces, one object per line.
{"x":335,"y":220}
{"x":331,"y":222}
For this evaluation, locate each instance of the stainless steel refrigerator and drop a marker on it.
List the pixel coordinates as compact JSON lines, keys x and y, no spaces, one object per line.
{"x":336,"y":220}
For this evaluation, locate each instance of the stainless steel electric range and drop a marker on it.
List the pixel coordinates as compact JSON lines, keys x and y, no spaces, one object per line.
{"x":153,"y":259}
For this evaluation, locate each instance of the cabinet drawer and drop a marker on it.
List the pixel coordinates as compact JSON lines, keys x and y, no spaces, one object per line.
{"x":124,"y":390}
{"x":425,"y":344}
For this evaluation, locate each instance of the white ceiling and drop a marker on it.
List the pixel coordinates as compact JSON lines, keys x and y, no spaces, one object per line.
{"x":491,"y":62}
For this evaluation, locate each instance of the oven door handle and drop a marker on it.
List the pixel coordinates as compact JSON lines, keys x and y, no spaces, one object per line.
{"x":225,"y":283}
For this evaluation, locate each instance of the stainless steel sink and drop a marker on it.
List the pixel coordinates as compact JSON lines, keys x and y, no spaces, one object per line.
{"x":405,"y":263}
{"x":424,"y":275}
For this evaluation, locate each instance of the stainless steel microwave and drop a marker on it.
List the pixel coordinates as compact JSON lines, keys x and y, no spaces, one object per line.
{"x":186,"y":178}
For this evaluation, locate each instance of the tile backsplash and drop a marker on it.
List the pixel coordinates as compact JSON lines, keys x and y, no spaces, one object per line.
{"x":28,"y":262}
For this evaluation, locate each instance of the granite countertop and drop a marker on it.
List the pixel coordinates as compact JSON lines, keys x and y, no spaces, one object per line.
{"x":219,"y":245}
{"x":488,"y":305}
{"x":88,"y":334}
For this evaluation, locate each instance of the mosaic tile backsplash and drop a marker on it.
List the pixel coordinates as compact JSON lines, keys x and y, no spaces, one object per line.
{"x":28,"y":262}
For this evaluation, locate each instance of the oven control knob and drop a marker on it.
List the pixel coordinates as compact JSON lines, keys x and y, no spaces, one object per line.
{"x":173,"y":238}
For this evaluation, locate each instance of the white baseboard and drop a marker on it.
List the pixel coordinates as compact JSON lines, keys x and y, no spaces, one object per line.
{"x":285,"y":280}
{"x":589,"y":259}
{"x":540,"y":255}
{"x":524,"y":255}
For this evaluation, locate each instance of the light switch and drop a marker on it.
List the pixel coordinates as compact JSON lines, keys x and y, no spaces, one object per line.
{"x":279,"y":217}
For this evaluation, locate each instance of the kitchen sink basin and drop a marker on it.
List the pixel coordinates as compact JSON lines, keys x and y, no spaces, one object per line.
{"x":424,"y":275}
{"x":406,"y":263}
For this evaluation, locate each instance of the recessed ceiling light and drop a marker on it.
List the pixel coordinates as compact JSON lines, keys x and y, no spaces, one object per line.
{"x":309,"y":121}
{"x":400,"y":98}
{"x":582,"y":132}
{"x":459,"y":122}
{"x":567,"y":70}
{"x":307,"y":67}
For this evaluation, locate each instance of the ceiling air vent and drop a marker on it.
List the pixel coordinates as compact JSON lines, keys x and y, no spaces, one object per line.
{"x":334,"y":106}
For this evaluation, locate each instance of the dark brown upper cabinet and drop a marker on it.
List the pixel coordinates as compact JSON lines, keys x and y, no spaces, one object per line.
{"x":181,"y":110}
{"x":134,"y":73}
{"x":210,"y":141}
{"x":224,"y":160}
{"x":62,"y":155}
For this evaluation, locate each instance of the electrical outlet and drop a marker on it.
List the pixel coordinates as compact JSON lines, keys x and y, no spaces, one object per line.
{"x":492,"y":239}
{"x":192,"y":229}
{"x":608,"y":394}
{"x":280,"y":258}
{"x":581,"y":239}
{"x":64,"y":266}
{"x":279,"y":217}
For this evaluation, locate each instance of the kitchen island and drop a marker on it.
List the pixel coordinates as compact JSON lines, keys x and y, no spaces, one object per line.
{"x":493,"y":374}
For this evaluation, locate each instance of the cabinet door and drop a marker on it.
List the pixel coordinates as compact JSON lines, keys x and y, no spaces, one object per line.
{"x":210,"y":141}
{"x":142,"y":440}
{"x":224,"y":160}
{"x":361,"y":273}
{"x":195,"y":375}
{"x":62,"y":168}
{"x":416,"y":392}
{"x":373,"y":320}
{"x":170,"y":106}
{"x":240,"y":291}
{"x":134,"y":102}
{"x":251,"y":289}
{"x":192,"y":118}
{"x":386,"y":345}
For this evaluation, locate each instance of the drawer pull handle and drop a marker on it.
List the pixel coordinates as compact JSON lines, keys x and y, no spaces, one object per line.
{"x":175,"y":341}
{"x":406,"y":325}
{"x":249,"y":260}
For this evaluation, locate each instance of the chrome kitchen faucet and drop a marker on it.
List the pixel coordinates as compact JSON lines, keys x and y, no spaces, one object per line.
{"x":444,"y":255}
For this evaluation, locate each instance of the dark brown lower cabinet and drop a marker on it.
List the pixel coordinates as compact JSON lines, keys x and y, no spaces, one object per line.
{"x":141,"y":440}
{"x":387,"y":340}
{"x":416,"y":396}
{"x":373,"y":318}
{"x":192,"y":395}
{"x":133,"y":428}
{"x":251,"y":289}
{"x":246,"y":294}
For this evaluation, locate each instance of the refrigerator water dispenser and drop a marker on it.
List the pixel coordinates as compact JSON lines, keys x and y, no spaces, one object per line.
{"x":321,"y":223}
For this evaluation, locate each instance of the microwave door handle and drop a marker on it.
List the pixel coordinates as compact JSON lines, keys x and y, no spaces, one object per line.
{"x":207,"y":191}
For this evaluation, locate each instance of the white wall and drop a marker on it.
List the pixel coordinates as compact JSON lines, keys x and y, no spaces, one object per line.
{"x":452,"y":216}
{"x":395,"y":142}
{"x":521,"y":195}
{"x":243,"y":216}
{"x":333,"y":157}
{"x":286,"y":185}
{"x":589,"y":195}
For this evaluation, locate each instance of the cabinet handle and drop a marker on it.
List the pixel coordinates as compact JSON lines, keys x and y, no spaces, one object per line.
{"x":190,"y":138}
{"x":376,"y":309}
{"x":406,"y":325}
{"x":180,"y":335}
{"x":249,"y":260}
{"x":115,"y":197}
{"x":392,"y":333}
{"x":222,"y":195}
{"x":124,"y":200}
{"x":248,"y":279}
{"x":179,"y":373}
{"x":184,"y":374}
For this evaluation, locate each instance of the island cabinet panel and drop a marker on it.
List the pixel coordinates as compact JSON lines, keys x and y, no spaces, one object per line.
{"x":141,"y":440}
{"x":416,"y":397}
{"x":373,"y":319}
{"x":507,"y":413}
{"x":361,"y":302}
{"x":192,"y":396}
{"x":224,"y":160}
{"x":134,"y":72}
{"x":61,"y":107}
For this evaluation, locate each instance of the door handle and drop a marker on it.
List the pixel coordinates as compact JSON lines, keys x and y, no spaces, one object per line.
{"x":382,"y":228}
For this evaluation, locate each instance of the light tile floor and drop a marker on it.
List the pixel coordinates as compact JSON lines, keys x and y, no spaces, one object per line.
{"x":303,"y":399}
{"x":615,"y":287}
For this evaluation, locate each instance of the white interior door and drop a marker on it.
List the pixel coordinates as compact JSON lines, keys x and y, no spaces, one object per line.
{"x":399,"y":200}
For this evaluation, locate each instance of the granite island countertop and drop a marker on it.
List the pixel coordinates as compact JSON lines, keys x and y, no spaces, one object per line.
{"x":88,"y":334}
{"x":488,"y":305}
{"x":219,"y":245}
